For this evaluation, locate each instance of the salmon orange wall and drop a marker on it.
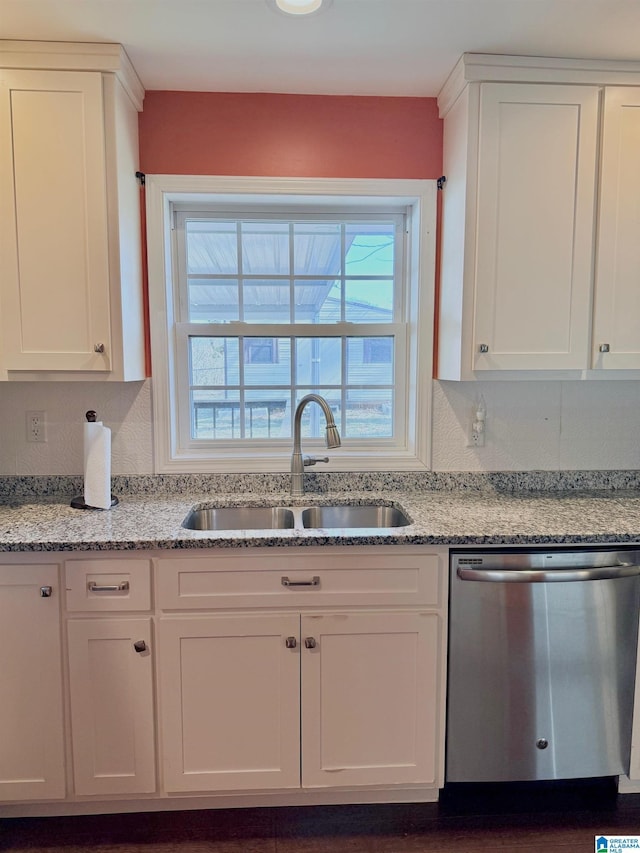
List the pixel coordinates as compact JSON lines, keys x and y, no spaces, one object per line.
{"x":293,"y":136}
{"x":313,"y":136}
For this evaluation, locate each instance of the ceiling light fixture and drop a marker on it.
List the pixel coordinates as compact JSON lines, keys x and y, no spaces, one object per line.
{"x":299,"y":7}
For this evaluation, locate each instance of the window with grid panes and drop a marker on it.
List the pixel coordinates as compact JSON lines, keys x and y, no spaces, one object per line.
{"x":269,"y":302}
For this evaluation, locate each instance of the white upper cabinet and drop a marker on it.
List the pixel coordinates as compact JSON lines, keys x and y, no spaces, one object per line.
{"x":616,"y":319}
{"x":543,"y":181}
{"x":536,"y":191}
{"x":71,"y":280}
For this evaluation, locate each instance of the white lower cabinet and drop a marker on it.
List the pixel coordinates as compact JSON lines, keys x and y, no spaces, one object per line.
{"x":112,"y":709}
{"x":275,"y":675}
{"x":283,"y":701}
{"x":31,"y":720}
{"x":369,"y":698}
{"x":230,"y":703}
{"x":307,"y":672}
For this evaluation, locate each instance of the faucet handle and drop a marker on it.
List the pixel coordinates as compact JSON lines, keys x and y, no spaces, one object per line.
{"x":311,"y":460}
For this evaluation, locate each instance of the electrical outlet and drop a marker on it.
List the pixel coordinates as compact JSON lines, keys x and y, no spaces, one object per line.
{"x":476,"y":439}
{"x":36,"y":426}
{"x":477,"y":425}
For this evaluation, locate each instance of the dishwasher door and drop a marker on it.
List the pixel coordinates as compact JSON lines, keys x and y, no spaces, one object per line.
{"x":542,"y":658}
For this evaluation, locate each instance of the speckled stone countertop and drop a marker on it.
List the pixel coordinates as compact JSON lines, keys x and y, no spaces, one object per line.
{"x":438,"y":517}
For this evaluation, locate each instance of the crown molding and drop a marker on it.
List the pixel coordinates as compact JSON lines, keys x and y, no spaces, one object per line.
{"x":488,"y":67}
{"x":74,"y":56}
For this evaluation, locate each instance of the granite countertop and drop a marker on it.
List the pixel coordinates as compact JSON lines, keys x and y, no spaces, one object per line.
{"x":438,"y":518}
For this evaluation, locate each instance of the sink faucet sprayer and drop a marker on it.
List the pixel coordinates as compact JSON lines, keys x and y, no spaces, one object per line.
{"x":332,"y":438}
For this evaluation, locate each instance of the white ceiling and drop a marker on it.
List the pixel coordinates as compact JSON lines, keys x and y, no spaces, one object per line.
{"x":355,"y":47}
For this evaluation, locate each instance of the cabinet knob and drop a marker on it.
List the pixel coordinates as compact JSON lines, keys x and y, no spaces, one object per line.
{"x":604,"y":348}
{"x":309,"y":643}
{"x":291,"y":642}
{"x":140,"y":646}
{"x":98,"y":348}
{"x":46,"y":591}
{"x":484,"y":347}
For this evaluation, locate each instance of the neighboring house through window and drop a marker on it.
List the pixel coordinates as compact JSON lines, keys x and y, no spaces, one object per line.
{"x":262,"y":291}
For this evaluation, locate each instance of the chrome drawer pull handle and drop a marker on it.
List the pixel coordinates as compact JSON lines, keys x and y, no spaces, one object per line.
{"x":123,"y":586}
{"x":315,"y":581}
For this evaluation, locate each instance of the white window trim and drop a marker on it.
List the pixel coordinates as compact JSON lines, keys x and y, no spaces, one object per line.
{"x":418,"y":196}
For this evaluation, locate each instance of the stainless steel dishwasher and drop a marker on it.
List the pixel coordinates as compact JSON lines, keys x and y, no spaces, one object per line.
{"x":542,"y":659}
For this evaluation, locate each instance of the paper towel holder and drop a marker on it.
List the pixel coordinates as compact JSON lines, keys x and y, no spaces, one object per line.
{"x":78,"y":502}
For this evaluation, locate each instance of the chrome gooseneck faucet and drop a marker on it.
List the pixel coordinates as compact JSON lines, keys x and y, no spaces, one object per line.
{"x":332,"y":438}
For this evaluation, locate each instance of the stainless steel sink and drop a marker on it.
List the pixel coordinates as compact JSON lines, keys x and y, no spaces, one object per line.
{"x":333,"y":516}
{"x":368,"y":515}
{"x":240,"y":518}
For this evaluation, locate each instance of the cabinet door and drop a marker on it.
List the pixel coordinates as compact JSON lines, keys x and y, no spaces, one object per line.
{"x":31,"y":725}
{"x":230,"y":702}
{"x":112,"y":712}
{"x":535,"y":222}
{"x":371,"y":699}
{"x":55,"y":263}
{"x":617,"y":295}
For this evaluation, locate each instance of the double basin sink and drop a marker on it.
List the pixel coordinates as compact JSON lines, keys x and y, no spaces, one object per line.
{"x":334,"y":516}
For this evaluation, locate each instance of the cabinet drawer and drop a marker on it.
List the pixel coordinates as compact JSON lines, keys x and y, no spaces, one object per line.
{"x":299,"y":581}
{"x":108,"y":584}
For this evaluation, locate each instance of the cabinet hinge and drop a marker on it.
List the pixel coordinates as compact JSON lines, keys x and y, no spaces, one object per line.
{"x":441,"y":182}
{"x":142,"y":178}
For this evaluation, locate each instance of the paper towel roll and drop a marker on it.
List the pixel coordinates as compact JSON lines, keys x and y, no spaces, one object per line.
{"x":97,"y":465}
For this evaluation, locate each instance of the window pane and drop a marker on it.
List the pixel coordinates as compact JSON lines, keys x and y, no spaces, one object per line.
{"x":363,"y":368}
{"x":317,"y":301}
{"x":213,"y":301}
{"x":259,"y":370}
{"x":369,"y":301}
{"x":212,"y":247}
{"x":265,"y":248}
{"x":266,"y":301}
{"x":313,"y":421}
{"x":318,"y":361}
{"x":369,"y":414}
{"x":317,"y":248}
{"x":214,"y":361}
{"x":370,"y":248}
{"x":215,"y":414}
{"x":267,"y":414}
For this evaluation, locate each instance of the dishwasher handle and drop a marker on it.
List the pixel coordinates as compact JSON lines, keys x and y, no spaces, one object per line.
{"x":601,"y":573}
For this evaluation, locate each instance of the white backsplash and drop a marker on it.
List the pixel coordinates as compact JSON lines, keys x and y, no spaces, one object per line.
{"x":125,"y":407}
{"x":538,"y":426}
{"x":530,"y":426}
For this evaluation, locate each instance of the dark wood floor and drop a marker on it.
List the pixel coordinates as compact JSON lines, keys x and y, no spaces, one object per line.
{"x":481,"y":822}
